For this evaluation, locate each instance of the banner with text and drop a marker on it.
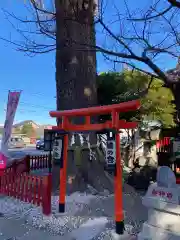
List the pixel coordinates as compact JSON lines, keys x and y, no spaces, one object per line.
{"x":13,"y":100}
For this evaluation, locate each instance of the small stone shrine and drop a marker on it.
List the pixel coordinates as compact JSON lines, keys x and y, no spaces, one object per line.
{"x":163,"y":202}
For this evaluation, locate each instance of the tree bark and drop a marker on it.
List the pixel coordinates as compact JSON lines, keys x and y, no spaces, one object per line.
{"x":75,"y":69}
{"x":76,"y":88}
{"x":175,"y":88}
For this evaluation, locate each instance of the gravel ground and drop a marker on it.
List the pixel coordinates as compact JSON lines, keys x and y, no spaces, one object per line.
{"x":100,"y":209}
{"x":96,"y":216}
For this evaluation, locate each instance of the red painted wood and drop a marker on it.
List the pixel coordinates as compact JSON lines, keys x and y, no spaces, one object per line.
{"x":39,"y":191}
{"x":16,"y":182}
{"x":26,"y":188}
{"x":120,"y":107}
{"x":46,"y":198}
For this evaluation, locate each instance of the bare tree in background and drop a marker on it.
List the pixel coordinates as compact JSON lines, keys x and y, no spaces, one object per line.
{"x":141,"y":37}
{"x":167,"y":15}
{"x":130,"y":35}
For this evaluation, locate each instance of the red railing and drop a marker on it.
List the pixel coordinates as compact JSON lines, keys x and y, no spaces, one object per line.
{"x":17,"y":182}
{"x":29,"y":163}
{"x":17,"y":166}
{"x":163,"y":145}
{"x":38,"y":162}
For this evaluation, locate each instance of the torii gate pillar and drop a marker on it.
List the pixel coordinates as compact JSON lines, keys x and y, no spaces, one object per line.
{"x":115,"y":124}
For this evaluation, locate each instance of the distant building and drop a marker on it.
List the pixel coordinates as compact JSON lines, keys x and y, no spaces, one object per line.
{"x":39,"y":129}
{"x":21,"y":124}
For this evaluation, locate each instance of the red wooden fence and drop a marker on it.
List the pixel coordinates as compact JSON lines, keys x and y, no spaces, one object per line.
{"x":29,"y":163}
{"x":16,"y":182}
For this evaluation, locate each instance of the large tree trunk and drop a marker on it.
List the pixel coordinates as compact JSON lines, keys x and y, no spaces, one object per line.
{"x":76,"y":86}
{"x":174,"y":85}
{"x":175,"y":88}
{"x":75,"y":69}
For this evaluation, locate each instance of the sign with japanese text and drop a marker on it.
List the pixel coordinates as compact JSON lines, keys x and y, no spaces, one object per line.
{"x":111,"y":152}
{"x":13,"y":100}
{"x":57,"y":149}
{"x":164,"y":194}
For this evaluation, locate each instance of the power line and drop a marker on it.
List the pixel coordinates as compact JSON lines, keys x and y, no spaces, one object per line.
{"x":25,"y":111}
{"x":22,"y":105}
{"x":36,"y":106}
{"x":37,"y":94}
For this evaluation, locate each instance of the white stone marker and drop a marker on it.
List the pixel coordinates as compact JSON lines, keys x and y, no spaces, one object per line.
{"x":163,"y":202}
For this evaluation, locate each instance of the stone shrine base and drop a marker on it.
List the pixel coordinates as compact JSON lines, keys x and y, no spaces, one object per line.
{"x":163,"y":203}
{"x":150,"y":232}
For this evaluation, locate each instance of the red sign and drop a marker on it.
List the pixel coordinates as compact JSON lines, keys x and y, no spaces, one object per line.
{"x":169,"y":195}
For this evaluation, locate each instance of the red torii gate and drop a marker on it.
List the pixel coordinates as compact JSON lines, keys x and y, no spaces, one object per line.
{"x":114,"y":124}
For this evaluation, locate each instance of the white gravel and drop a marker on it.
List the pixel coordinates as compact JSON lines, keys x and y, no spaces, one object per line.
{"x":83,"y":211}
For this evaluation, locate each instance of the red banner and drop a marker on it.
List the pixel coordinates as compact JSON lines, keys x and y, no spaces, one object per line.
{"x":13,"y":100}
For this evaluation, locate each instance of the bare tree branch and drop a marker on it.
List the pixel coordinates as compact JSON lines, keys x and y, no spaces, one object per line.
{"x":135,"y":42}
{"x":134,"y":67}
{"x":152,"y":17}
{"x":40,"y":8}
{"x":174,"y":3}
{"x":115,"y":37}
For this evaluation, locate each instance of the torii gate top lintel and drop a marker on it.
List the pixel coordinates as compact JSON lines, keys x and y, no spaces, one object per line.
{"x":114,"y":123}
{"x":120,"y":107}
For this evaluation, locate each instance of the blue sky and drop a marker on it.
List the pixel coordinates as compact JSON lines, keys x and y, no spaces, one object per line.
{"x":35,"y":76}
